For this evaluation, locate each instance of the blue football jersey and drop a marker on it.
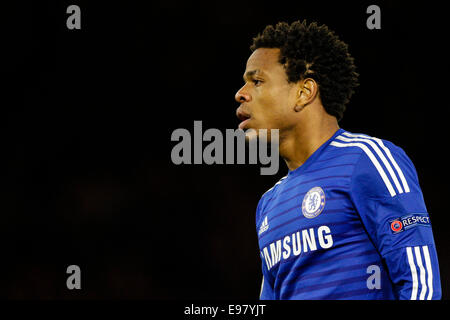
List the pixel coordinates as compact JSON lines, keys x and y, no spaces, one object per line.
{"x":350,"y":223}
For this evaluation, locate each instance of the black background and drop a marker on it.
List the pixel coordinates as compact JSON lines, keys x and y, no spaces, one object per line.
{"x":86,"y":121}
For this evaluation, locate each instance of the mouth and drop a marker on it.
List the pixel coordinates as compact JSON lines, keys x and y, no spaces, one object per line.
{"x":244,"y":117}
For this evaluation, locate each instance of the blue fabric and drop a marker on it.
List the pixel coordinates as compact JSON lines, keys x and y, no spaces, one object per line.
{"x":350,"y":223}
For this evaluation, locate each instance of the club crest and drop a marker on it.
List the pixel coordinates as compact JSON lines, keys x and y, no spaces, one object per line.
{"x":313,"y":202}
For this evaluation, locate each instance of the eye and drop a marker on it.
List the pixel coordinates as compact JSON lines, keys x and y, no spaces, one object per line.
{"x":257,"y":82}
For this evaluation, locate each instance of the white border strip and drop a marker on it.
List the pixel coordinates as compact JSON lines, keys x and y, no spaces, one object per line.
{"x":388,"y":153}
{"x":372,"y":158}
{"x":382,"y":157}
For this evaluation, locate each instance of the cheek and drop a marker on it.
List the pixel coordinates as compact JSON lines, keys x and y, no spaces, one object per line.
{"x":281,"y":113}
{"x":272,"y":99}
{"x":277,"y":104}
{"x":273,"y":115}
{"x":271,"y":106}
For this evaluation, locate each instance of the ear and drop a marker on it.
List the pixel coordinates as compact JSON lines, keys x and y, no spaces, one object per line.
{"x":306,"y":93}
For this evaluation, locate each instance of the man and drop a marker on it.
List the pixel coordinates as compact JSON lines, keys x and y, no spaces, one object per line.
{"x":349,"y":220}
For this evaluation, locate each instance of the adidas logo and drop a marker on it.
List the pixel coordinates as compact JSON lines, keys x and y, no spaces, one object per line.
{"x":264,"y":226}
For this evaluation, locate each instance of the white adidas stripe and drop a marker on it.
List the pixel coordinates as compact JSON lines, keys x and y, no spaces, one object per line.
{"x":388,"y":153}
{"x":426,"y":254}
{"x":413,"y":258}
{"x":422,"y":273}
{"x":350,"y":138}
{"x":412,"y":266}
{"x":372,"y":158}
{"x":380,"y":155}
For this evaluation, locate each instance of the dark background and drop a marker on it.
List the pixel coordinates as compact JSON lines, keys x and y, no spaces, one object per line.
{"x":86,"y":121}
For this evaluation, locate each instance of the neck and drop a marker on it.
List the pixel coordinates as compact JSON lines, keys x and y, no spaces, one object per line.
{"x":297,"y":145}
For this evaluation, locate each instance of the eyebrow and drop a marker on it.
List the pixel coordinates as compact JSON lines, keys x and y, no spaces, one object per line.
{"x":251,"y":73}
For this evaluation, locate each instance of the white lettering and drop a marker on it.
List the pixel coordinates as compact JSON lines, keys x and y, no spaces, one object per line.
{"x":201,"y":310}
{"x":275,"y":252}
{"x":294,"y":242}
{"x":286,"y":247}
{"x":309,"y":239}
{"x":328,"y":238}
{"x":267,"y":258}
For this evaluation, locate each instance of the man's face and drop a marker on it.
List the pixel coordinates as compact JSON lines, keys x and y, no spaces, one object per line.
{"x":266,"y":100}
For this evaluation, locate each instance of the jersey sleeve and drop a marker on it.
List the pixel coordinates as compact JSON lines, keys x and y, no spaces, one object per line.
{"x":386,"y":193}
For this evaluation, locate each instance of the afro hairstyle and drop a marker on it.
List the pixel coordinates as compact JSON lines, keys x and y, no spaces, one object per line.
{"x":314,"y":51}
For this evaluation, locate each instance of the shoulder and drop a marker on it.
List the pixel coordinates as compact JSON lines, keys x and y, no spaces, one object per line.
{"x":383,"y":168}
{"x":268,"y":195}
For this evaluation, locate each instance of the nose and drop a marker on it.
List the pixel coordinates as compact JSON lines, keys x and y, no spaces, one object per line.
{"x":242,"y":96}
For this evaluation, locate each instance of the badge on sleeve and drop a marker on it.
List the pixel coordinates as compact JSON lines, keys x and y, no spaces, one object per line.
{"x":401,"y":224}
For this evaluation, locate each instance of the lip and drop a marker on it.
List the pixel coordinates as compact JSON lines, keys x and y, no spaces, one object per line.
{"x":243,"y":116}
{"x":243,"y":123}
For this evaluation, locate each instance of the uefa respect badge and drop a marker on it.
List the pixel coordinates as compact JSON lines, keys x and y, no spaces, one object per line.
{"x":313,"y":202}
{"x":410,"y":221}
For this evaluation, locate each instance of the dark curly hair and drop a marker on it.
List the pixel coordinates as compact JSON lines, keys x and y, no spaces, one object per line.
{"x":313,"y":51}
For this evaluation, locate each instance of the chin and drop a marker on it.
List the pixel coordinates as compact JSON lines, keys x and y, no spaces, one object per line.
{"x":252,"y":133}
